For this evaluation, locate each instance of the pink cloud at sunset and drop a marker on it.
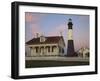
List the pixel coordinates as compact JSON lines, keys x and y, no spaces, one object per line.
{"x":32,"y":18}
{"x":28,"y":17}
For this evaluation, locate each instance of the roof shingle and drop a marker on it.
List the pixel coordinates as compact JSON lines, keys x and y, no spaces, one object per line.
{"x":49,"y":40}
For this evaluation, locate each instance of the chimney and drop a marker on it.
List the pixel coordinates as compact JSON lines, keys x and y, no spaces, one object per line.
{"x":37,"y":35}
{"x":42,"y":38}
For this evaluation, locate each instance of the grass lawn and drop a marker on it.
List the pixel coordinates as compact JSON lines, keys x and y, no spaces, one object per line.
{"x":49,"y":63}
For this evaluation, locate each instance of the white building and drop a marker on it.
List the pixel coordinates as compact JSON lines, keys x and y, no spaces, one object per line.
{"x":46,"y":46}
{"x":83,"y":52}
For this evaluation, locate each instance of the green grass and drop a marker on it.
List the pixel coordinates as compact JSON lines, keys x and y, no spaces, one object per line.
{"x":49,"y":63}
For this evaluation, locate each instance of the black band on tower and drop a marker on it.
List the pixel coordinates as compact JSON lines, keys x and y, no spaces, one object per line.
{"x":70,"y":48}
{"x":70,"y":24}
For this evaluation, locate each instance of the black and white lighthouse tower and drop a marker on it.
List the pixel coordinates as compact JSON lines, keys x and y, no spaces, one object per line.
{"x":70,"y":43}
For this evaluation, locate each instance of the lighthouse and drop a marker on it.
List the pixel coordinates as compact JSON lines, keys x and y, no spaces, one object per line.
{"x":70,"y":43}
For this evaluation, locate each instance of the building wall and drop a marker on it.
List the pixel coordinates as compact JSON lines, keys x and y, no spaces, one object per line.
{"x":43,"y":50}
{"x":84,"y":52}
{"x":61,"y":47}
{"x":46,"y":49}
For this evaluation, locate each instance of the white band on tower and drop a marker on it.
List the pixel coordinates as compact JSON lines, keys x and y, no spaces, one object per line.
{"x":70,"y":34}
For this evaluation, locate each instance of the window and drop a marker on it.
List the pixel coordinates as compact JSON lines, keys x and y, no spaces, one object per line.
{"x":48,"y":49}
{"x":36,"y":49}
{"x":53,"y":48}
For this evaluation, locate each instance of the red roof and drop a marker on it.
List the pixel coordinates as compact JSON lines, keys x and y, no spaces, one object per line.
{"x":49,"y":40}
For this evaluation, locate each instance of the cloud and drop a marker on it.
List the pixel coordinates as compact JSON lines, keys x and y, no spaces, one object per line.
{"x":28,"y":17}
{"x":31,"y":17}
{"x":32,"y":21}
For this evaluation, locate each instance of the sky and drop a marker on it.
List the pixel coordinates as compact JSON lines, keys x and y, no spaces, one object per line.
{"x":50,"y":24}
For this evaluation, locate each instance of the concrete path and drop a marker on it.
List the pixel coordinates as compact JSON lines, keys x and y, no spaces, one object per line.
{"x":58,"y":58}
